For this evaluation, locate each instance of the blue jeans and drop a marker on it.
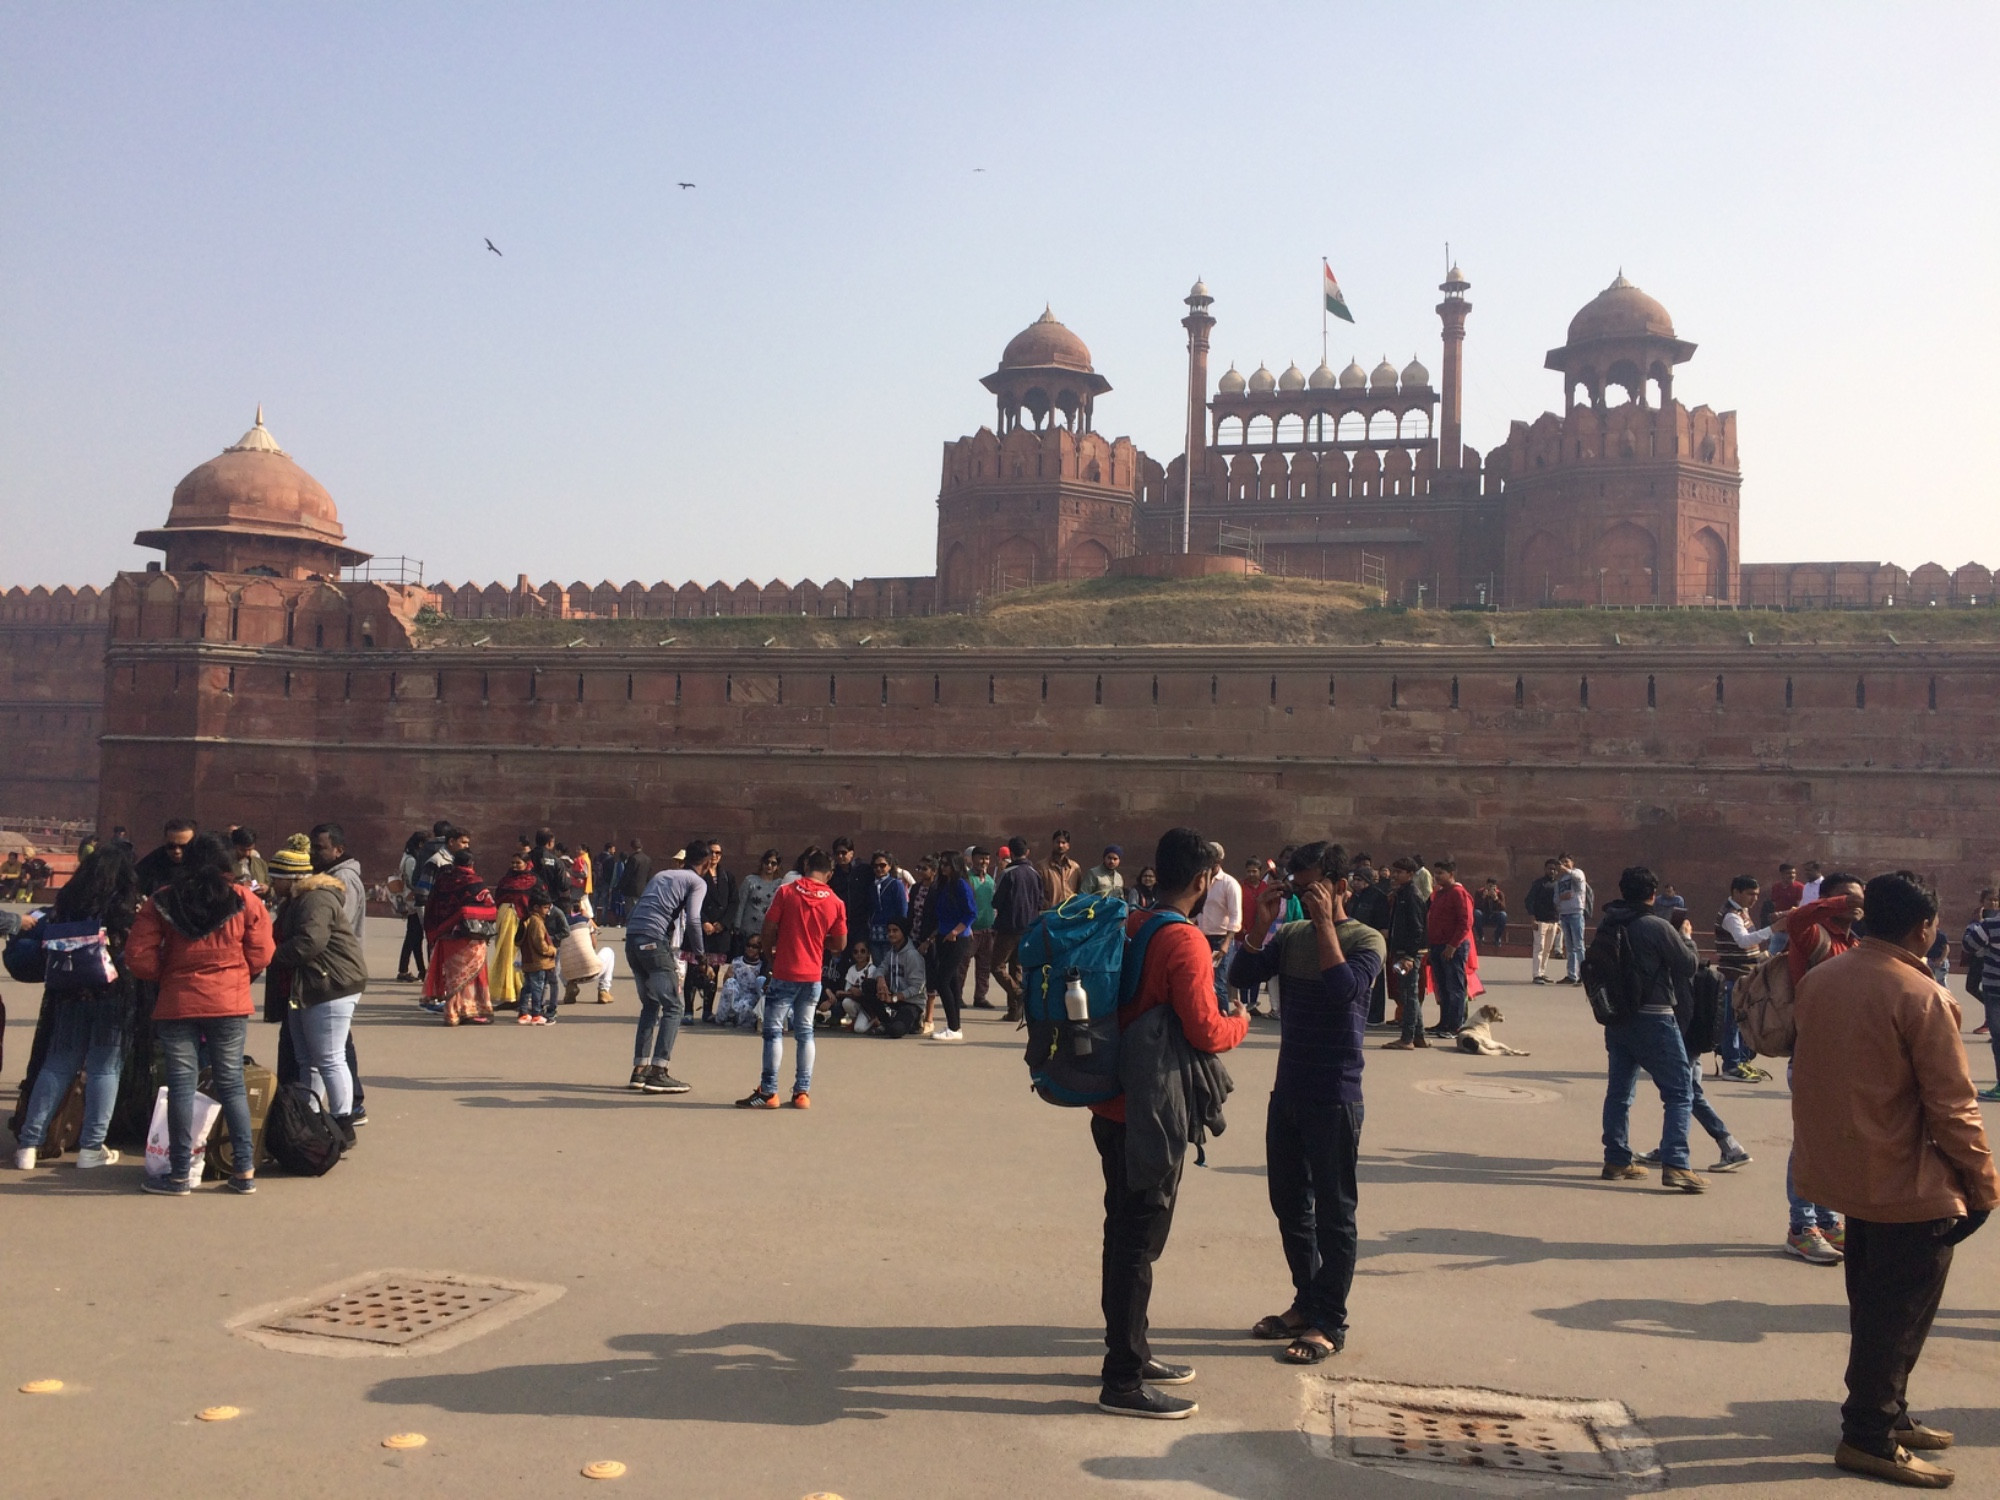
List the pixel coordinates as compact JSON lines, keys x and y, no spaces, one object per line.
{"x":1729,"y":1046}
{"x":79,"y":1039}
{"x":538,"y":993}
{"x":1571,"y":923}
{"x":1651,"y":1043}
{"x":180,"y":1047}
{"x":1805,"y":1213}
{"x":1410,"y":998}
{"x":1704,"y":1112}
{"x":798,"y":999}
{"x":1448,"y":974}
{"x":658,"y":978}
{"x":319,"y":1041}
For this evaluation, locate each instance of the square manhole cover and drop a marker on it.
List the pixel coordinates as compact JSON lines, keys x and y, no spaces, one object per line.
{"x":1485,"y":1439}
{"x":394,"y":1313}
{"x":396,"y":1310}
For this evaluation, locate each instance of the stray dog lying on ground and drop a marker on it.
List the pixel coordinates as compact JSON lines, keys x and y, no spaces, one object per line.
{"x":1476,"y":1035}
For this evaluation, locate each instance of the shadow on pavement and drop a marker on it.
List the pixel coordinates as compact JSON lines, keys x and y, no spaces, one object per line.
{"x":1734,"y":1322}
{"x":1240,"y":1465}
{"x":803,"y":1375}
{"x":1481,"y":1249}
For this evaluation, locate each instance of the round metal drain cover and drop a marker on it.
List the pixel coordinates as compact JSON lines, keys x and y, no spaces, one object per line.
{"x":1488,"y":1090}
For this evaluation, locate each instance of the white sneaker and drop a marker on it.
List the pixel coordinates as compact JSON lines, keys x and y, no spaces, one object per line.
{"x":24,"y":1158}
{"x":947,"y":1035}
{"x":96,"y":1156}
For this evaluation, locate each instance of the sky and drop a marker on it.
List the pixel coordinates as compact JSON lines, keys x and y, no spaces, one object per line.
{"x":207,"y":207}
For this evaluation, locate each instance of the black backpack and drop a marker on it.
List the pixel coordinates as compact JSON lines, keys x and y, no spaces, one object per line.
{"x":1607,"y":973}
{"x":299,"y":1134}
{"x":1706,"y":1013}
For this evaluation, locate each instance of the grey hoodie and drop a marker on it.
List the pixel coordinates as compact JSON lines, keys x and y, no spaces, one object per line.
{"x":354,"y":899}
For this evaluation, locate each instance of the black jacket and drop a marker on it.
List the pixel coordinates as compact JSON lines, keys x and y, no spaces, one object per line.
{"x":1663,"y":962}
{"x":1409,"y":918}
{"x":638,"y":870}
{"x":554,"y":878}
{"x":1542,"y":900}
{"x":1173,"y":1099}
{"x":1370,"y":904}
{"x":854,"y":883}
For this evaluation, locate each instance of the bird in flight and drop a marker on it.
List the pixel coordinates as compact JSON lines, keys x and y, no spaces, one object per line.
{"x":684,"y":184}
{"x":494,"y":248}
{"x":979,"y":169}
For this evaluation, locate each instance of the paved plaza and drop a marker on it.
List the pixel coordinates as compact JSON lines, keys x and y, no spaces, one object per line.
{"x":894,"y":1295}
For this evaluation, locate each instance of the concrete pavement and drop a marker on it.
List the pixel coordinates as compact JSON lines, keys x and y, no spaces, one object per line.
{"x":894,"y":1295}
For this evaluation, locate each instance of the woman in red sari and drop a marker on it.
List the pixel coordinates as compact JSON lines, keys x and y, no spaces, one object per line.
{"x":458,"y":917}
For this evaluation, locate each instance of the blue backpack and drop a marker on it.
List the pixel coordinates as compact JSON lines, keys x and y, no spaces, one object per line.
{"x":1072,"y":1063}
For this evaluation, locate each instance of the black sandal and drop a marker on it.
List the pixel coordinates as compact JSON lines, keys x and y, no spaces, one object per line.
{"x":1275,"y":1327}
{"x":1309,"y":1348}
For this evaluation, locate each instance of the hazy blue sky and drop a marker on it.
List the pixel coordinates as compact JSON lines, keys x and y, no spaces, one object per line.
{"x":207,"y":206}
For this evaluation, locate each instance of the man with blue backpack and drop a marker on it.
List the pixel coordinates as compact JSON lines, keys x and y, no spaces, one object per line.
{"x":1155,"y":1011}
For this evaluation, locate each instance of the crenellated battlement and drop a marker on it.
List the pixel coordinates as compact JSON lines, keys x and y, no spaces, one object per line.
{"x":864,"y":598}
{"x":62,"y":605}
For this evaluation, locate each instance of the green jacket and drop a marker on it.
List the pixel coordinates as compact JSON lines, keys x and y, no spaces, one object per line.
{"x":316,"y":945}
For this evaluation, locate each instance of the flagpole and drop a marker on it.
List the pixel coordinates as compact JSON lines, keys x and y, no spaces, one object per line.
{"x":1324,"y":269}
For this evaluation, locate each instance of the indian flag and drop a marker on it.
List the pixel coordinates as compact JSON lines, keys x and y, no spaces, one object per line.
{"x":1335,"y":303}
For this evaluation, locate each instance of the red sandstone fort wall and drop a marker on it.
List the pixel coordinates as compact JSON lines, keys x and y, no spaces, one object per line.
{"x":51,"y":702}
{"x":1703,"y":763}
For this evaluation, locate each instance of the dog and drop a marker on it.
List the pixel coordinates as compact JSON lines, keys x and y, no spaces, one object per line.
{"x":1476,"y":1035}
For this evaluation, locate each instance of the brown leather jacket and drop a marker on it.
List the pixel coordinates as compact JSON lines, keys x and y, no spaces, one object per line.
{"x":1884,"y":1120}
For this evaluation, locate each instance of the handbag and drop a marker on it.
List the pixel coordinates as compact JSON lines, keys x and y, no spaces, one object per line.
{"x":479,"y":921}
{"x":77,"y":956}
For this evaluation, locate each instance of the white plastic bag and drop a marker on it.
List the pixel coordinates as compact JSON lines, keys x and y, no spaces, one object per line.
{"x":159,"y":1138}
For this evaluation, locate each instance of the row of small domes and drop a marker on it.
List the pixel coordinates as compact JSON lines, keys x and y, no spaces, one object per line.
{"x":1353,"y":378}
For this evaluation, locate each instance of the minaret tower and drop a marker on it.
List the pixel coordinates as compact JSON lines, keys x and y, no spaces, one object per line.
{"x":1197,"y":323}
{"x":1451,"y":441}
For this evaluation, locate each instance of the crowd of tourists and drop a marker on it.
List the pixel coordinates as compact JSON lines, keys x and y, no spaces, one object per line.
{"x":150,"y":965}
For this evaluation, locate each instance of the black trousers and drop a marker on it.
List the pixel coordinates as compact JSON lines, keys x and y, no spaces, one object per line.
{"x":1312,"y":1157}
{"x":287,"y":1070}
{"x":946,"y":964}
{"x":1895,"y":1280}
{"x":895,"y":1018}
{"x":1135,"y":1232}
{"x":413,"y":946}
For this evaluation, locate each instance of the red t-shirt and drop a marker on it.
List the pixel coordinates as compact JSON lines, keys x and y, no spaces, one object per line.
{"x":806,"y":913}
{"x":1179,"y":971}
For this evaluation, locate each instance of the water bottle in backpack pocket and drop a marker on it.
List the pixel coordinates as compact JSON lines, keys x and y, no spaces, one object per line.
{"x":1079,"y":968}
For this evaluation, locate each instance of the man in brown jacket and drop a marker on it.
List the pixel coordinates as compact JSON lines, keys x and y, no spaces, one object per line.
{"x":1062,"y":877}
{"x":1887,"y":1130}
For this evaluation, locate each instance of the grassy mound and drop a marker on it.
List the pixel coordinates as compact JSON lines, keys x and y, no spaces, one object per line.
{"x":1257,"y":611}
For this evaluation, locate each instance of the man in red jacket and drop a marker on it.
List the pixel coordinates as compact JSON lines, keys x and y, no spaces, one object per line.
{"x":1448,"y":930}
{"x":1178,"y":971}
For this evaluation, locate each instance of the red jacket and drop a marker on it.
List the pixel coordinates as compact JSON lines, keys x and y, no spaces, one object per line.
{"x":205,"y":976}
{"x":1450,"y":919}
{"x":1804,"y":949}
{"x":1179,"y":971}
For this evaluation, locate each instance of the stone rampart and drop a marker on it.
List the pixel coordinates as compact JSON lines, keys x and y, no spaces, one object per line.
{"x":1703,"y":762}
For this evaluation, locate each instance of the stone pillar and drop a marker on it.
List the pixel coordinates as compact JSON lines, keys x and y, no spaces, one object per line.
{"x":1197,"y":323}
{"x":1452,"y":312}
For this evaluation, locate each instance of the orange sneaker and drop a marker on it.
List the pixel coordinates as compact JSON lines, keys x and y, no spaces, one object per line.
{"x":802,"y":1101}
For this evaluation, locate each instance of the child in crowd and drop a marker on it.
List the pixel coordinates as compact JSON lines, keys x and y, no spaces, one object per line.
{"x":857,"y":983}
{"x":538,"y":964}
{"x":742,"y":993}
